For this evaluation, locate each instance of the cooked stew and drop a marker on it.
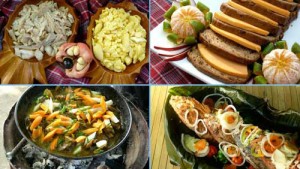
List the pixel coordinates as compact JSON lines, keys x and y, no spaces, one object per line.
{"x":74,"y":121}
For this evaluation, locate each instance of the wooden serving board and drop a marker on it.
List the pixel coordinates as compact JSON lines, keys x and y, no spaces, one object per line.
{"x":15,"y":70}
{"x":100,"y":74}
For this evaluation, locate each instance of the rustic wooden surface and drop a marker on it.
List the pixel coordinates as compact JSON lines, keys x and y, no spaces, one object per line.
{"x":281,"y":97}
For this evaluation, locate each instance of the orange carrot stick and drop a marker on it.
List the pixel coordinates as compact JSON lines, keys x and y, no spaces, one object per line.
{"x":53,"y":144}
{"x":37,"y":121}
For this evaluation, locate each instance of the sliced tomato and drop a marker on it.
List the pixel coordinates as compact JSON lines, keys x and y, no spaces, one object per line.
{"x":212,"y":151}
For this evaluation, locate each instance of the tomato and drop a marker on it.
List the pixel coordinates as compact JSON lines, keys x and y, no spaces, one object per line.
{"x":212,"y":151}
{"x":210,"y":103}
{"x":237,"y":160}
{"x":229,"y":166}
{"x":251,"y":167}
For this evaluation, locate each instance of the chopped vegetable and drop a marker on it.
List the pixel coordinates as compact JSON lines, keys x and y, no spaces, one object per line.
{"x":212,"y":151}
{"x":185,"y":2}
{"x":296,"y":49}
{"x":77,"y":150}
{"x":197,"y":25}
{"x":237,"y":160}
{"x":203,"y":8}
{"x":188,"y":143}
{"x":281,"y":44}
{"x":208,"y":17}
{"x":221,"y":157}
{"x":257,"y":69}
{"x":74,"y":121}
{"x":190,"y":40}
{"x":268,"y":48}
{"x":101,"y":143}
{"x":260,"y":80}
{"x":229,"y":166}
{"x":169,"y":12}
{"x":53,"y":144}
{"x":36,"y":122}
{"x":167,"y":27}
{"x":174,"y":38}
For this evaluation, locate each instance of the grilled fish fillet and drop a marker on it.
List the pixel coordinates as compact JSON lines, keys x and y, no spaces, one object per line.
{"x":181,"y":104}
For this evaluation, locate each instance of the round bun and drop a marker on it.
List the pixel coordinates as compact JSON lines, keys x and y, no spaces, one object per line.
{"x":281,"y":66}
{"x":180,"y":21}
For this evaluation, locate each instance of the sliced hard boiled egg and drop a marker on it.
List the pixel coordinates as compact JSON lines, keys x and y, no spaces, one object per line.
{"x":202,"y":148}
{"x":229,"y":120}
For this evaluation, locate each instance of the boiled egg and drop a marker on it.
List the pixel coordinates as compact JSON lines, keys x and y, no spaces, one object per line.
{"x":202,"y":148}
{"x":229,"y":120}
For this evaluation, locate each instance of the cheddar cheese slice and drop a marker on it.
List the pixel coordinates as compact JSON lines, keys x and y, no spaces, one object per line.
{"x":252,"y":13}
{"x":240,"y":24}
{"x":244,"y":42}
{"x":272,"y":7}
{"x":222,"y":64}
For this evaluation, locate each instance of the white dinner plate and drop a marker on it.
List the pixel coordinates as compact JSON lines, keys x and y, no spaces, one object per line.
{"x":159,"y":38}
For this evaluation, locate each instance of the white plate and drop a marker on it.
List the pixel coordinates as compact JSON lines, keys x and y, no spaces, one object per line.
{"x":159,"y":38}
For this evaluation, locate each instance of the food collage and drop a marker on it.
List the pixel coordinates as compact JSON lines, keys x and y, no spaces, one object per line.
{"x":150,"y":84}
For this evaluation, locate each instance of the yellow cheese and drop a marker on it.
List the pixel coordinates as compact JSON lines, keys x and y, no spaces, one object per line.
{"x":252,"y":13}
{"x":240,"y":24}
{"x":235,"y":38}
{"x":272,"y":7}
{"x":222,"y":64}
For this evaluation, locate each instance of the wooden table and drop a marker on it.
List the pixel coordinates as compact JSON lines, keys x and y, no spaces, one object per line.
{"x":281,"y":97}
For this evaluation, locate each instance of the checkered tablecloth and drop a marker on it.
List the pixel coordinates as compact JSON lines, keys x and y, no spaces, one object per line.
{"x":163,"y":72}
{"x":55,"y":73}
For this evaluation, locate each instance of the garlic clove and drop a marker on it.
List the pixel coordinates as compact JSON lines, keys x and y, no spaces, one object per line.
{"x":76,"y":50}
{"x":70,"y":51}
{"x":81,"y":61}
{"x":79,"y":67}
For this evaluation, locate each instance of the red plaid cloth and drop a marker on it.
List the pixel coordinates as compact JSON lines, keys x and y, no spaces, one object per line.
{"x":55,"y":73}
{"x":163,"y":72}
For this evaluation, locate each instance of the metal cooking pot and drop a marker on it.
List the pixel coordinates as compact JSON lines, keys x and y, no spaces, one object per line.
{"x":24,"y":103}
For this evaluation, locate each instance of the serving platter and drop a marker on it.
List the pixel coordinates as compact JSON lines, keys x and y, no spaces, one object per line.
{"x":15,"y":70}
{"x":291,"y":36}
{"x":100,"y":74}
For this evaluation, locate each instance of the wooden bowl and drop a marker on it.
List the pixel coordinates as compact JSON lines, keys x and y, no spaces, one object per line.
{"x":100,"y":74}
{"x":14,"y":69}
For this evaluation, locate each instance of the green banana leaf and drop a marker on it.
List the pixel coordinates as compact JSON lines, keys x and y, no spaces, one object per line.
{"x":254,"y":110}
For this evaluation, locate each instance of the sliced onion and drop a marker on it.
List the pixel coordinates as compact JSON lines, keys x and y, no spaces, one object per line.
{"x":268,"y":138}
{"x":214,"y":94}
{"x":225,"y":99}
{"x":224,"y":144}
{"x":227,"y":133}
{"x":230,"y":106}
{"x":262,"y":147}
{"x":196,"y":128}
{"x":236,"y":130}
{"x":256,"y":128}
{"x":186,"y":119}
{"x":231,"y":155}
